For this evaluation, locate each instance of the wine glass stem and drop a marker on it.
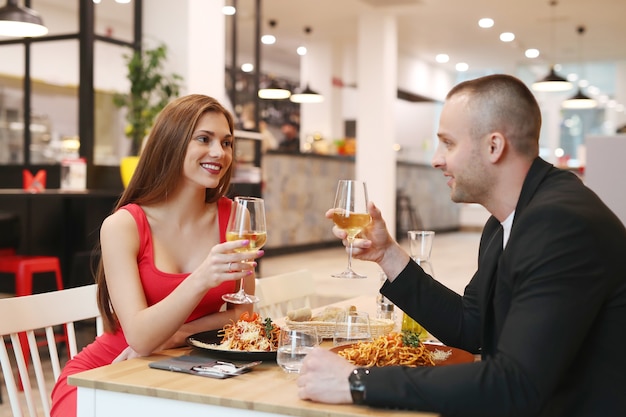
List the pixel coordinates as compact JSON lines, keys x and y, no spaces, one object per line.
{"x":350,"y":254}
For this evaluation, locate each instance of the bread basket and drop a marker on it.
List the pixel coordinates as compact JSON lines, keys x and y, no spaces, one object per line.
{"x":325,"y":329}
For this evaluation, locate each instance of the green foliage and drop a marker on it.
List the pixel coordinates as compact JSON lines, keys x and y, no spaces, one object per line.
{"x":411,"y":338}
{"x":150,"y":91}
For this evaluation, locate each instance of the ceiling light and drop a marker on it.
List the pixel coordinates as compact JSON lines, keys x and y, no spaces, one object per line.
{"x":507,"y":37}
{"x":580,"y":100}
{"x":531,"y":53}
{"x":269,"y":38}
{"x":122,"y":1}
{"x":306,"y":96}
{"x":247,"y":67}
{"x":301,"y":50}
{"x":462,"y":67}
{"x":442,"y":58}
{"x":274,"y":91}
{"x":485,"y":22}
{"x":20,"y":22}
{"x":229,"y":10}
{"x":552,"y":82}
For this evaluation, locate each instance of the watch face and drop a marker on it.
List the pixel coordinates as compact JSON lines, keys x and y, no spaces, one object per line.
{"x":357,"y":385}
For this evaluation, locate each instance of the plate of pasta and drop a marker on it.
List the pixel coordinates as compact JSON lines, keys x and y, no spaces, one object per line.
{"x":393,"y":349}
{"x":251,"y":338}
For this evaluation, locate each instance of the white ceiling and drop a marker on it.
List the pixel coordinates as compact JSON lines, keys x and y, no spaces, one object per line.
{"x":429,"y":27}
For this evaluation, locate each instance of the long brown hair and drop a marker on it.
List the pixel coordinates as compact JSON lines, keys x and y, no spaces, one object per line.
{"x":159,"y":170}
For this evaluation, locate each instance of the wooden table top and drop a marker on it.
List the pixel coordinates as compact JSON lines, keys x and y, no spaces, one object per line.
{"x":267,"y":388}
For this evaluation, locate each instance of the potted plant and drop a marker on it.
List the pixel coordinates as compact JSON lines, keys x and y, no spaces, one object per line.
{"x":150,"y":90}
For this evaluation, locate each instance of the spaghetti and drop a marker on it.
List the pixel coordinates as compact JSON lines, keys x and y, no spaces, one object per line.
{"x":387,"y":350}
{"x":250,"y":333}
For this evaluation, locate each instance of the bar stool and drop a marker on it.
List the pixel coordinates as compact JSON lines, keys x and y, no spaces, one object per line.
{"x":24,"y":267}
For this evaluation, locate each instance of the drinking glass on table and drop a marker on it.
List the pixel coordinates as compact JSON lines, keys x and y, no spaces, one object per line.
{"x":351,"y":327}
{"x":293,"y":346}
{"x":247,"y":221}
{"x":420,"y":247}
{"x":350,"y":214}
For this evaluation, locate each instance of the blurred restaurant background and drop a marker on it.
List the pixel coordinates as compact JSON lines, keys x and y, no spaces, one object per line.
{"x":375,"y":74}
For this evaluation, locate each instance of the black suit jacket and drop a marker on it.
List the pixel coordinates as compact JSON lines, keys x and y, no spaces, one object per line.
{"x":548,"y":314}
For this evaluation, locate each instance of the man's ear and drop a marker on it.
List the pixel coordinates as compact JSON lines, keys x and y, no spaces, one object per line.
{"x":497,"y":145}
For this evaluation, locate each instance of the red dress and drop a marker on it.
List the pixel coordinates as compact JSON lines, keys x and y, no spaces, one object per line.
{"x":157,"y":285}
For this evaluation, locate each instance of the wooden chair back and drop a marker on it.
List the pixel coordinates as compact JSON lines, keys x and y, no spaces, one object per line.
{"x":284,"y":292}
{"x":46,"y":313}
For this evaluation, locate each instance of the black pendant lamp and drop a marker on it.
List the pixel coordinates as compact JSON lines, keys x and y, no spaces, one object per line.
{"x":306,"y":94}
{"x":552,"y":82}
{"x":273,"y":91}
{"x":20,"y":22}
{"x":580,"y":100}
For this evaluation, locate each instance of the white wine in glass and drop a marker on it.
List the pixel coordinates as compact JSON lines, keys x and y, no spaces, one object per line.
{"x":247,"y":221}
{"x":350,"y":214}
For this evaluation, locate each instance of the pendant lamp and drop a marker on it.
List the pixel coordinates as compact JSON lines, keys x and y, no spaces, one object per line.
{"x":552,"y":82}
{"x":306,"y":94}
{"x":580,"y":100}
{"x":273,"y":91}
{"x":20,"y":22}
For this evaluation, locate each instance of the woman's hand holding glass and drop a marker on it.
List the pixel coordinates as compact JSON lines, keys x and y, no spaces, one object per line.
{"x":246,"y":224}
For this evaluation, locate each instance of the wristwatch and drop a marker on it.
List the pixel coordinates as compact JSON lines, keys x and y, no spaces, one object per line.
{"x":357,"y":384}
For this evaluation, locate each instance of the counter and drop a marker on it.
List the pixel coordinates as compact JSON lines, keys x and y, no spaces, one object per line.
{"x":299,"y":188}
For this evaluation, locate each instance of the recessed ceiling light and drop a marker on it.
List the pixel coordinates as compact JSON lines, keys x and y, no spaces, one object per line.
{"x":442,"y":58}
{"x":268,"y":39}
{"x":485,"y":22}
{"x":507,"y":37}
{"x":531,"y":53}
{"x":247,"y":67}
{"x":229,"y":10}
{"x":301,"y":50}
{"x":462,"y":67}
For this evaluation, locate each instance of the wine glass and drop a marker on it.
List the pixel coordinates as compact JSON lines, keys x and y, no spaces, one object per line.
{"x":293,"y":346}
{"x":420,"y":246}
{"x":247,"y":221}
{"x":350,"y":214}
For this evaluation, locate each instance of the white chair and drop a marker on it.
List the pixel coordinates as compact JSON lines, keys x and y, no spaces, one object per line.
{"x":41,"y":312}
{"x":281,"y":293}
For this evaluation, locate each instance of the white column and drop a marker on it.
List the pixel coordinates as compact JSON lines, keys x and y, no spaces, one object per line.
{"x":377,"y":57}
{"x":195,"y":35}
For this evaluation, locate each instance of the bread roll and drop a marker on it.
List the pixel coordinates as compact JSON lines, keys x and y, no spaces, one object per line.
{"x":301,"y":314}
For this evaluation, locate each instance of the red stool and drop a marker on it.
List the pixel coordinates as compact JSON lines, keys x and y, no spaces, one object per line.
{"x":25,"y":266}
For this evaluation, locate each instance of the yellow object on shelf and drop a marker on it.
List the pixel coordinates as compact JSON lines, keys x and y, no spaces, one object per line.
{"x":128,"y":165}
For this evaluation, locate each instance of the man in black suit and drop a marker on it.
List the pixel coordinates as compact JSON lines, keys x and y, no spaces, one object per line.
{"x":546,"y":308}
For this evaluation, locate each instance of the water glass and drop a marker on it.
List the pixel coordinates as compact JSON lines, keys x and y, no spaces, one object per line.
{"x":352,"y":327}
{"x":293,"y":346}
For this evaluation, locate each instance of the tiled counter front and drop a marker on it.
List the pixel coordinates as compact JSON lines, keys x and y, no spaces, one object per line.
{"x":298,"y":189}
